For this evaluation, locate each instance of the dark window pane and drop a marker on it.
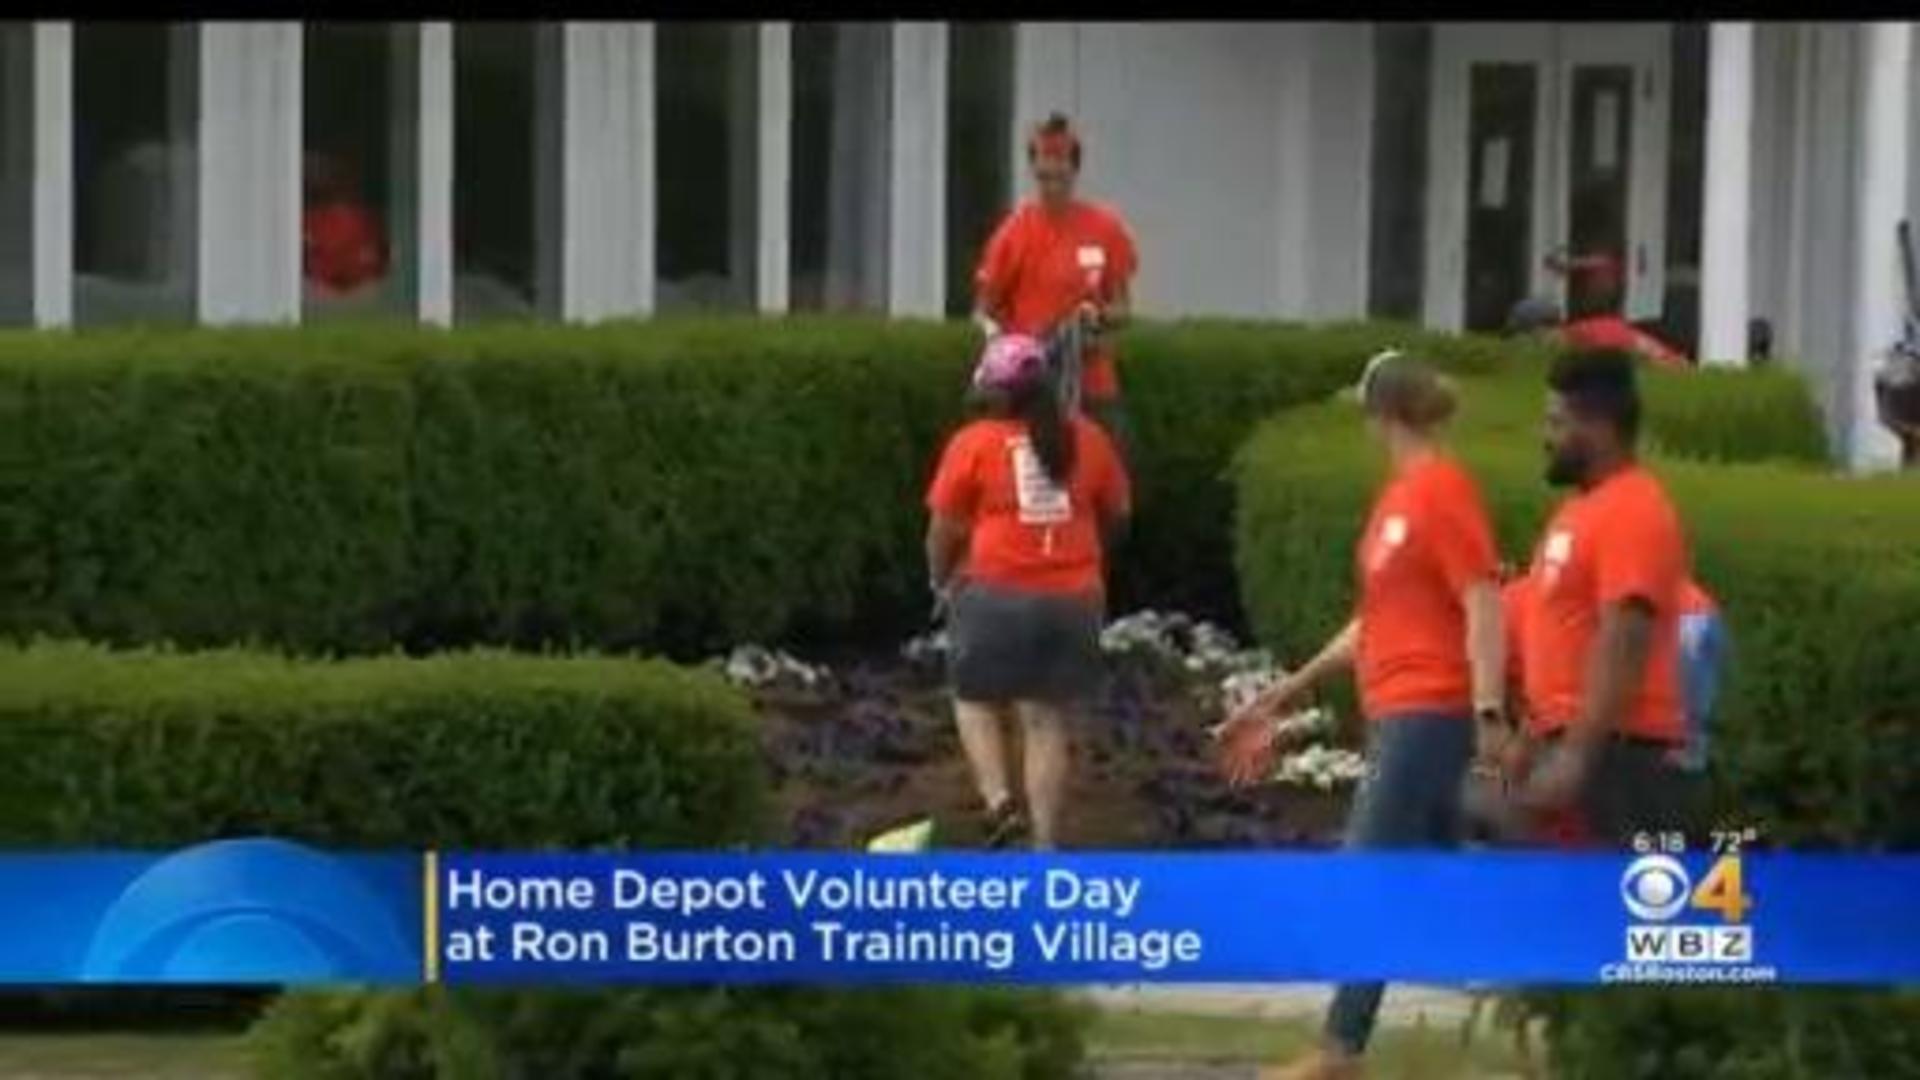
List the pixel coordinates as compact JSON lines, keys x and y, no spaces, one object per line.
{"x":505,"y":171}
{"x":16,"y":173}
{"x":708,"y":183}
{"x":1500,"y":130}
{"x":1397,"y":230}
{"x":842,"y":99}
{"x":135,"y":118}
{"x":979,"y":134}
{"x":1599,"y":167}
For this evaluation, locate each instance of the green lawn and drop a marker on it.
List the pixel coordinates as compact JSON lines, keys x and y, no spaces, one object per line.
{"x":1412,"y":1053}
{"x":92,"y":1056}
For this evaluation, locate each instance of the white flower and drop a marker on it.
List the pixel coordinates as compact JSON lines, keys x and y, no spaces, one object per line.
{"x":1323,"y":767}
{"x":757,"y":667}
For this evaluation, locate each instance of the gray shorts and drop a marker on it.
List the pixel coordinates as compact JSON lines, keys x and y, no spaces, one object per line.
{"x":1011,"y":645}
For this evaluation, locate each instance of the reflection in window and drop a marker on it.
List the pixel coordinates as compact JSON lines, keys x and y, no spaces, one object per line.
{"x":16,"y":173}
{"x":357,"y":202}
{"x":708,"y":143}
{"x":506,"y":171}
{"x":1397,"y":231}
{"x":979,"y":132}
{"x":135,"y":121}
{"x":842,"y":75}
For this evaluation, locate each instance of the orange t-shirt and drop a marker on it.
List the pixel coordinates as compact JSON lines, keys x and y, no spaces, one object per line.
{"x":1426,"y":541}
{"x":1614,"y":332}
{"x":1028,"y":532}
{"x":1620,"y":540}
{"x":1038,"y":266}
{"x":343,"y":249}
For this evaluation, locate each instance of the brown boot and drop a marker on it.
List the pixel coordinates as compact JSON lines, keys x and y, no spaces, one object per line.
{"x":1322,"y":1063}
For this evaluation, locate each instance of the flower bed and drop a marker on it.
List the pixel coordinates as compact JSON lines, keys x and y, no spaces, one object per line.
{"x":859,"y":747}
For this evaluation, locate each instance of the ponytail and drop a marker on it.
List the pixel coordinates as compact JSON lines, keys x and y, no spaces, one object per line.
{"x":1038,"y":407}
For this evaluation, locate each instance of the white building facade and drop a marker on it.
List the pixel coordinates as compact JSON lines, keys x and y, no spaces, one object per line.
{"x":586,"y":171}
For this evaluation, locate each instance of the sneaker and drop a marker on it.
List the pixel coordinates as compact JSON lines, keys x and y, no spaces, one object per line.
{"x":1006,"y":825}
{"x":1321,"y":1064}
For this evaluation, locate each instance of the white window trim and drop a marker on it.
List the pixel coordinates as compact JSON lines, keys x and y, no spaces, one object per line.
{"x":53,"y":177}
{"x":774,"y":169}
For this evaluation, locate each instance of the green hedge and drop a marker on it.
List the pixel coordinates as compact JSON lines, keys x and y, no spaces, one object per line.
{"x":718,"y":1034}
{"x":473,"y":750}
{"x":674,"y":485}
{"x":1818,"y":735}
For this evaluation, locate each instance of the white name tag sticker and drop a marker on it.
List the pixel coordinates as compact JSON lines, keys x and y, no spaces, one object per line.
{"x":1092,"y":257}
{"x":1559,"y":547}
{"x":1040,"y":500}
{"x":1394,"y":532}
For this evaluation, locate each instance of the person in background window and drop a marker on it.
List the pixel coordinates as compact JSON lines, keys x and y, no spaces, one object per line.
{"x":1425,"y":645}
{"x":343,"y":247}
{"x":1058,"y":257}
{"x":1594,"y":286}
{"x":1022,"y":508}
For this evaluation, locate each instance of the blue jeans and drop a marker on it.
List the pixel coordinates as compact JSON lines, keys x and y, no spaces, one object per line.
{"x":1410,"y":799}
{"x":1703,"y":648}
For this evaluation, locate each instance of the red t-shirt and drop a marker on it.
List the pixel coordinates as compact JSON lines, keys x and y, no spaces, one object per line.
{"x":1038,"y":266}
{"x":1028,"y":532}
{"x":1425,"y":543}
{"x":1619,"y":541}
{"x":1614,"y":332}
{"x":342,"y":245}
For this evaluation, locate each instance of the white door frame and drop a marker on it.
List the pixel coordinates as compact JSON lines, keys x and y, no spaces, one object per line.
{"x":1553,"y":50}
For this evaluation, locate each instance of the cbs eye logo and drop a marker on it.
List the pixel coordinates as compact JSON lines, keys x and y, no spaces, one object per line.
{"x":255,"y":911}
{"x":1657,"y":888}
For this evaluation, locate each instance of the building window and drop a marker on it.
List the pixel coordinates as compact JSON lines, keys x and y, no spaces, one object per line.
{"x":1686,"y":179}
{"x":842,"y":115}
{"x":1397,"y":225}
{"x":360,"y":145}
{"x":135,"y":160}
{"x":506,"y":171}
{"x":705,"y":164}
{"x":979,"y":135}
{"x":16,"y":173}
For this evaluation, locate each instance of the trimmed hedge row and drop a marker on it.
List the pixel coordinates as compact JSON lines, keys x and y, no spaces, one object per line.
{"x":473,"y":750}
{"x":673,"y":485}
{"x":948,"y":1033}
{"x":1818,"y":735}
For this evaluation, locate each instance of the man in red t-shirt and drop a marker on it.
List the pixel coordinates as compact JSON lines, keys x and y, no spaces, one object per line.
{"x":1600,"y":623}
{"x":1058,"y":257}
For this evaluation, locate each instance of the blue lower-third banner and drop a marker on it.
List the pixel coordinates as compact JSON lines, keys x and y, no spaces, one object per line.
{"x":267,"y":911}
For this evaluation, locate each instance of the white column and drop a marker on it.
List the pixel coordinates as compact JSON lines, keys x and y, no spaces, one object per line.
{"x":1724,"y":272}
{"x":607,"y":183}
{"x":917,"y":176}
{"x":1880,"y":203}
{"x":249,"y":172}
{"x":773,"y":220}
{"x":433,"y":163}
{"x":52,"y":174}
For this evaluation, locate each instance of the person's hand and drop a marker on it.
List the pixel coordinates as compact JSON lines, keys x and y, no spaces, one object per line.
{"x":1246,"y":744}
{"x":1514,"y":759}
{"x":1557,"y":782}
{"x":1092,"y":316}
{"x":1248,"y":740}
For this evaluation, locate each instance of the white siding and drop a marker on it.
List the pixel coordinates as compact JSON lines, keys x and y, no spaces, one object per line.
{"x":1236,"y":150}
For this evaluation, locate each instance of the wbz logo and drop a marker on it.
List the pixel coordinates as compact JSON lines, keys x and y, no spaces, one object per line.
{"x":1657,"y":888}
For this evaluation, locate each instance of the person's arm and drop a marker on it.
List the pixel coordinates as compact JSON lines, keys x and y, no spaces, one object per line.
{"x":993,"y":279}
{"x":1615,"y":666}
{"x":1487,"y":662}
{"x":1336,"y":655}
{"x":946,"y":547}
